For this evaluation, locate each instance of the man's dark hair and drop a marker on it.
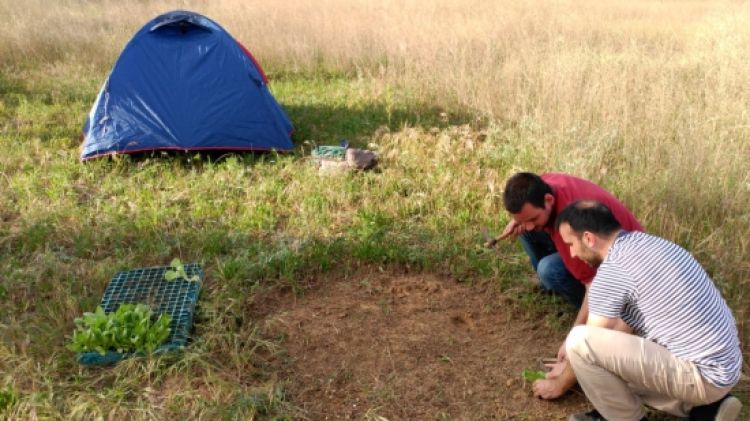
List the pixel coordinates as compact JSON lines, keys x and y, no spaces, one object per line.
{"x":524,"y":187}
{"x":588,"y":215}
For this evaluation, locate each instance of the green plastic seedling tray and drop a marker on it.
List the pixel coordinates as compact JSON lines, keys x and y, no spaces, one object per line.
{"x":148,"y":286}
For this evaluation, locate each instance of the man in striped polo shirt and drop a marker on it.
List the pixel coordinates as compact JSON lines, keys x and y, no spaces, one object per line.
{"x":658,"y":331}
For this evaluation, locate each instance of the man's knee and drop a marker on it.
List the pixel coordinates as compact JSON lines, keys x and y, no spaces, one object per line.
{"x":577,"y":344}
{"x":551,"y":272}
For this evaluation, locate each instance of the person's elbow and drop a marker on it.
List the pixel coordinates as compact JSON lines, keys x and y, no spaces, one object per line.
{"x":601,"y":321}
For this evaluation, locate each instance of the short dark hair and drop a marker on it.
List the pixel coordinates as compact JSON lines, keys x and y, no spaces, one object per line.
{"x":588,"y":215}
{"x":524,"y":187}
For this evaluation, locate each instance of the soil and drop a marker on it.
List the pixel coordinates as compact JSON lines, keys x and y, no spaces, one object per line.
{"x":383,"y":346}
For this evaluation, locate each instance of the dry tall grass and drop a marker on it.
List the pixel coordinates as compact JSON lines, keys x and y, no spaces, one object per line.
{"x":657,"y":77}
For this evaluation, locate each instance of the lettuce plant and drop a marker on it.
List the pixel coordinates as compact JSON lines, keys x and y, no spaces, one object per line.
{"x":129,"y":329}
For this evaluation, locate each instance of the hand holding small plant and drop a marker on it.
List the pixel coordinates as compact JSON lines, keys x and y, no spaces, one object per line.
{"x":177,"y":271}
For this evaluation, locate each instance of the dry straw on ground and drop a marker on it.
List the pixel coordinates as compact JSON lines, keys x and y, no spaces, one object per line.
{"x":664,"y":83}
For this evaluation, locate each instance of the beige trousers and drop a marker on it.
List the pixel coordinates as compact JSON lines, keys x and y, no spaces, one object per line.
{"x":620,"y":372}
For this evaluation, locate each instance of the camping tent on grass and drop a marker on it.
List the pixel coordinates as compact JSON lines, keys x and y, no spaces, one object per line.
{"x":183,"y":83}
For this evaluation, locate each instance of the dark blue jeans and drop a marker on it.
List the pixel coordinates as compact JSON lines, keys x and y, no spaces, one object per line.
{"x":549,"y":266}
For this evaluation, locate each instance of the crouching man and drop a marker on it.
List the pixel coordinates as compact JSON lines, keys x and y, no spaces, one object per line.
{"x":658,"y":331}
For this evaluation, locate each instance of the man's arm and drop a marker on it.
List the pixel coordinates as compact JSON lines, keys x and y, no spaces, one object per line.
{"x":512,"y":229}
{"x":601,"y":321}
{"x":583,"y":312}
{"x":606,"y":322}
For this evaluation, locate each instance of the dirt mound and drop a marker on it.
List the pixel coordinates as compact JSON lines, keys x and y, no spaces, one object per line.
{"x":410,"y":347}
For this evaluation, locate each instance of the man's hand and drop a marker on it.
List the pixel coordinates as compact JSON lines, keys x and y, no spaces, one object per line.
{"x":559,"y":380}
{"x":512,"y":229}
{"x":555,"y":369}
{"x":489,"y":241}
{"x":547,"y":389}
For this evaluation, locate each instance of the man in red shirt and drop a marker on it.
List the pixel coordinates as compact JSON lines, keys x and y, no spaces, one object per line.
{"x":534,"y":202}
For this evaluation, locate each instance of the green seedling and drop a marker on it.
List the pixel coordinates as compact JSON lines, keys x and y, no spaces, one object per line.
{"x":129,"y":329}
{"x":533,"y":375}
{"x":177,"y":271}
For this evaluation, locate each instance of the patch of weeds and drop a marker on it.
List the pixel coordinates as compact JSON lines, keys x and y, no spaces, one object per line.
{"x":238,"y":268}
{"x":214,"y":243}
{"x":283,"y":263}
{"x":268,"y":402}
{"x":287,"y":261}
{"x":8,"y":397}
{"x":83,"y":243}
{"x":369,"y":236}
{"x":481,"y":262}
{"x":528,"y":301}
{"x":36,"y":236}
{"x":371,"y":225}
{"x":262,"y":217}
{"x":325,"y":255}
{"x":315,"y":204}
{"x":561,"y":318}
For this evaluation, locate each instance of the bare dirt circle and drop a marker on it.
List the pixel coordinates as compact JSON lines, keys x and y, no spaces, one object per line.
{"x":389,"y":346}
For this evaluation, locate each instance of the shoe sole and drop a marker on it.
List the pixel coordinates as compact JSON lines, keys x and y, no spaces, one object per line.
{"x":729,"y":410}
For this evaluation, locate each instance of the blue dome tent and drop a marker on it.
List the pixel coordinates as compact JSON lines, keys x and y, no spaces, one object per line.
{"x":183,"y":83}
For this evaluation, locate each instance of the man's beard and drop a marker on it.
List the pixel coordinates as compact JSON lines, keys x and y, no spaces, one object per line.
{"x":592,"y":259}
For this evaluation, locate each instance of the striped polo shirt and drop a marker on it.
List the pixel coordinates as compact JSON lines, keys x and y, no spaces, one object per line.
{"x":666,"y":296}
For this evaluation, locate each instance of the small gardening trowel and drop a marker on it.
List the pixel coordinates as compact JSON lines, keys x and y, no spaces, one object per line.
{"x":489,"y":241}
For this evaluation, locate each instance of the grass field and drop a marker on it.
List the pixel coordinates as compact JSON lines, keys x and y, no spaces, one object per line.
{"x":649,"y":99}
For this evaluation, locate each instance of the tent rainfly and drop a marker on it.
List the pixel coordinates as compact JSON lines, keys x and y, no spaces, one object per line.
{"x":183,"y":83}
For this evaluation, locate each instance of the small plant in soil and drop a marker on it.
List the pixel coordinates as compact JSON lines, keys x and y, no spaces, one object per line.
{"x":129,"y":329}
{"x":177,"y":271}
{"x":533,"y":375}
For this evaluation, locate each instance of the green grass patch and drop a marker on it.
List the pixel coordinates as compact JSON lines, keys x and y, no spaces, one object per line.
{"x":255,"y":222}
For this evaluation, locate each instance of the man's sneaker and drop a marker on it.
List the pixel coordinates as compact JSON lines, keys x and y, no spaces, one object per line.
{"x":725,"y":409}
{"x":587,"y":416}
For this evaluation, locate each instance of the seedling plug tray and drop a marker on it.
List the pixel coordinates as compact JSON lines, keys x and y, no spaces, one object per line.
{"x":148,"y":286}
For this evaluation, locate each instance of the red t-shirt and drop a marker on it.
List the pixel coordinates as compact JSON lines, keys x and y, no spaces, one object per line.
{"x":568,"y":189}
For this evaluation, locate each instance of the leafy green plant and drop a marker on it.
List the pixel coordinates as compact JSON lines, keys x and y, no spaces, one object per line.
{"x":177,"y":271}
{"x":129,"y":329}
{"x":533,"y":375}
